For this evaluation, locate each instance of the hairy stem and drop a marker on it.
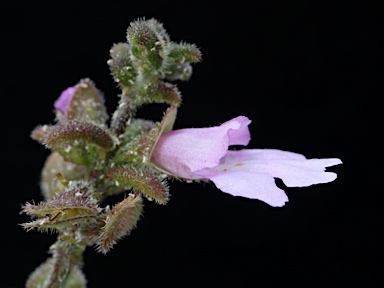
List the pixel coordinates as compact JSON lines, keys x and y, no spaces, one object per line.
{"x":55,"y":272}
{"x":122,"y":115}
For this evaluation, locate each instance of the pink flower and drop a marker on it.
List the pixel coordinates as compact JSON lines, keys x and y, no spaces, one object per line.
{"x":62,"y":103}
{"x":202,"y":153}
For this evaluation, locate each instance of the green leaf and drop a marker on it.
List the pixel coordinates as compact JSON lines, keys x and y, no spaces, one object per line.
{"x":142,"y":180}
{"x":73,"y":205}
{"x":184,"y":53}
{"x":179,"y":71}
{"x":179,"y":57}
{"x":81,"y":143}
{"x":55,"y":164}
{"x":119,"y":222}
{"x":159,"y":92}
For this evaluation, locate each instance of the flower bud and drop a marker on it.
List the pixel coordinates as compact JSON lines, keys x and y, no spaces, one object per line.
{"x":62,"y":104}
{"x":121,"y":66}
{"x":82,"y":102}
{"x":148,"y":40}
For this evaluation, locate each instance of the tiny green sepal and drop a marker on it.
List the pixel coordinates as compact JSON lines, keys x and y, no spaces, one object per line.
{"x":147,"y":141}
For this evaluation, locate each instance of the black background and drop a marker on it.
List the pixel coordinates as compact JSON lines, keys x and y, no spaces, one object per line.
{"x":309,"y":74}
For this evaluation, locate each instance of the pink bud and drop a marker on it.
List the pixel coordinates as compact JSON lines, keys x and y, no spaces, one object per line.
{"x":64,"y":100}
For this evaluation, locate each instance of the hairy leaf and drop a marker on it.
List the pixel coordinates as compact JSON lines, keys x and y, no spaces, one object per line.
{"x":146,"y":182}
{"x":119,"y":222}
{"x":79,"y":142}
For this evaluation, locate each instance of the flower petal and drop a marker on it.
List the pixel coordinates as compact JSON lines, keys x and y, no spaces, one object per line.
{"x":64,"y":100}
{"x":248,"y":184}
{"x":237,"y":129}
{"x":251,"y":173}
{"x":184,"y":151}
{"x":294,"y":169}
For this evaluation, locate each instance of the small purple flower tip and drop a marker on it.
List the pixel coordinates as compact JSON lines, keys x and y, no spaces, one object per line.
{"x":62,"y":103}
